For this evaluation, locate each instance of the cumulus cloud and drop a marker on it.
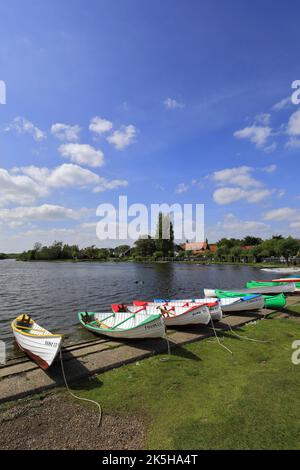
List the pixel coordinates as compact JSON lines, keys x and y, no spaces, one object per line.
{"x":112,"y":184}
{"x":27,"y":184}
{"x":228,"y":195}
{"x":237,"y":226}
{"x":283,"y":213}
{"x":23,"y":126}
{"x":258,"y":135}
{"x":238,"y":176}
{"x":293,"y":126}
{"x":65,"y":132}
{"x":232,"y":226}
{"x":100,"y":126}
{"x":45,"y":212}
{"x":171,"y":103}
{"x":123,"y":137}
{"x":19,"y":187}
{"x":83,"y":154}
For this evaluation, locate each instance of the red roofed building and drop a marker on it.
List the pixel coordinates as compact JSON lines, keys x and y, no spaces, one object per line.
{"x":199,"y":247}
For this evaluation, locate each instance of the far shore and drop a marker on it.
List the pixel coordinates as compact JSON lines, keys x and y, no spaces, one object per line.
{"x":163,"y":261}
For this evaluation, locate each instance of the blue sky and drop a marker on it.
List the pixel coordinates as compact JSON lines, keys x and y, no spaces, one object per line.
{"x":170,"y":101}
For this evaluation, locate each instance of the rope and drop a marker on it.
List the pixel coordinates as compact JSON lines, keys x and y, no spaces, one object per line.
{"x":247,"y":337}
{"x":165,"y":359}
{"x":217,"y":338}
{"x":75,"y":396}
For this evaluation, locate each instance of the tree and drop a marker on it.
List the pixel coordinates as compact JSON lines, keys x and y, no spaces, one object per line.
{"x":236,"y":252}
{"x":145,"y":246}
{"x":288,"y":248}
{"x":164,"y":237}
{"x":252,"y":241}
{"x":122,"y":250}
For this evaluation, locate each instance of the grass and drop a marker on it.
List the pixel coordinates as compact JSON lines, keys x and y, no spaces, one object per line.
{"x":206,"y":398}
{"x":294,"y":308}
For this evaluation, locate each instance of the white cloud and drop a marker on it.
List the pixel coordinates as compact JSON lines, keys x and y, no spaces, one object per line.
{"x":237,"y":176}
{"x":23,"y":126}
{"x":258,"y":135}
{"x":65,"y":132}
{"x":45,"y":212}
{"x":270,"y":148}
{"x":270,"y":168}
{"x":282,"y":104}
{"x":113,"y":184}
{"x":19,"y":188}
{"x":83,"y":154}
{"x":293,"y":143}
{"x":237,"y":226}
{"x":181,"y":188}
{"x":123,"y":137}
{"x":171,"y":103}
{"x":283,"y":213}
{"x":232,"y":226}
{"x":293,"y":127}
{"x":27,"y":184}
{"x":228,"y":195}
{"x":100,"y":126}
{"x":263,"y":118}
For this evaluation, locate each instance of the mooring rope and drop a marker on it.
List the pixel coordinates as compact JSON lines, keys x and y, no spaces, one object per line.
{"x":164,"y":359}
{"x":247,"y":338}
{"x":217,"y":338}
{"x":75,"y":396}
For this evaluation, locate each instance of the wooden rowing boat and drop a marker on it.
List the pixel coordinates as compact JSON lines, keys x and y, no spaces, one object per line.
{"x":214,"y":308}
{"x":126,"y":325}
{"x":35,"y":341}
{"x":271,"y":301}
{"x":286,"y":288}
{"x":176,"y":315}
{"x":235,"y":304}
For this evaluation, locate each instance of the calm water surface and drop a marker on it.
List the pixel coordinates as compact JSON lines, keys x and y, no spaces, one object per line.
{"x":53,"y":293}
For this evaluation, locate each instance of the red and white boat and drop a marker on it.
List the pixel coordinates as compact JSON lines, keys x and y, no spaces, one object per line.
{"x":213,"y":305}
{"x":173,"y":315}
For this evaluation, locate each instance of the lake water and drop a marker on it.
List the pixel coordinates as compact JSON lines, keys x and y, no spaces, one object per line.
{"x":52,"y":293}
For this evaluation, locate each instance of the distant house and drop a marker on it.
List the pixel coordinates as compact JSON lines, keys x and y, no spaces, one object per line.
{"x":199,"y":247}
{"x":247,"y":247}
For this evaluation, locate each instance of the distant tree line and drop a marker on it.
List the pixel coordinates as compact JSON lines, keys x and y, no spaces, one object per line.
{"x":254,"y":249}
{"x":160,"y":246}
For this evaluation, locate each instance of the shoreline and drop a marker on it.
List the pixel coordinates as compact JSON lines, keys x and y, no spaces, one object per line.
{"x":193,"y":262}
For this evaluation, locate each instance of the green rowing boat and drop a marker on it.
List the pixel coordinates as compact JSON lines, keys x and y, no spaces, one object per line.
{"x":271,"y":301}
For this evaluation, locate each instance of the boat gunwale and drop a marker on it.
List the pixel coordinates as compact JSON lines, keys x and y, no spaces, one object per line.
{"x":48,"y":335}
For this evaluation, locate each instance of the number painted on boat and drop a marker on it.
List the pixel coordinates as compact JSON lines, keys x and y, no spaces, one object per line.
{"x":50,"y":344}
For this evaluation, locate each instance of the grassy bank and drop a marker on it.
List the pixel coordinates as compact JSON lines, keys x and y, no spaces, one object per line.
{"x":203,"y":397}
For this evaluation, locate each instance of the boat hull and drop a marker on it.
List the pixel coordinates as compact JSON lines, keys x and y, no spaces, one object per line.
{"x":41,"y":350}
{"x":197,"y":316}
{"x":240,"y":304}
